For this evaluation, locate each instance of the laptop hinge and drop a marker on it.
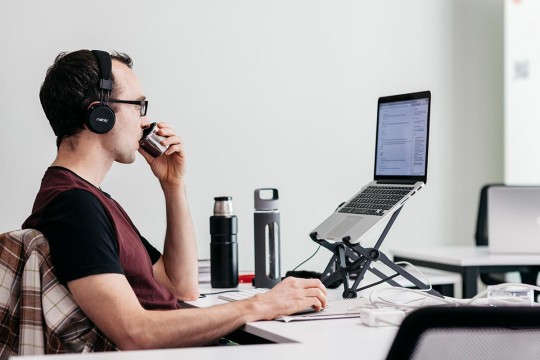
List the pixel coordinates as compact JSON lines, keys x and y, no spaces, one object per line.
{"x":404,"y":182}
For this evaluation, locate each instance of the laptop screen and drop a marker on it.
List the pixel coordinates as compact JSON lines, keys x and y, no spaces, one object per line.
{"x":401,"y":150}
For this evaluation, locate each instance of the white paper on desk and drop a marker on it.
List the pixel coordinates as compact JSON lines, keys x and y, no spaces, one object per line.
{"x":336,"y":309}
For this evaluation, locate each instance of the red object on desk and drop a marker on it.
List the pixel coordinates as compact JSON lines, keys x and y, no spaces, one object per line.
{"x":246,"y":278}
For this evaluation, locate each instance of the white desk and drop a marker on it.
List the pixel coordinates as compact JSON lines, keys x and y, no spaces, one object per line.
{"x":320,"y":339}
{"x":322,"y":350}
{"x":469,"y":261}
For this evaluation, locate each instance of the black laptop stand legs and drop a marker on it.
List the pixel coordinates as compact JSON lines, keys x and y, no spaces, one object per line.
{"x":350,"y":259}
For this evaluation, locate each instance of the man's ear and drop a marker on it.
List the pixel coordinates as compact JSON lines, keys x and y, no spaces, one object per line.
{"x":85,"y":122}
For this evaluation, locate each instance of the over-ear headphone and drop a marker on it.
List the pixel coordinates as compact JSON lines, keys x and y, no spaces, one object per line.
{"x":100,"y":118}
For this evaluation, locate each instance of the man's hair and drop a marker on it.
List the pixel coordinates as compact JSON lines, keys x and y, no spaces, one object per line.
{"x":70,"y":86}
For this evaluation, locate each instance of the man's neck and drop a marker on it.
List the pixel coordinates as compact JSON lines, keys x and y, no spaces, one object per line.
{"x":89,"y":165}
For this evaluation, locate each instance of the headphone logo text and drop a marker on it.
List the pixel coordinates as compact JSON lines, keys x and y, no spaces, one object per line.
{"x":102,"y":120}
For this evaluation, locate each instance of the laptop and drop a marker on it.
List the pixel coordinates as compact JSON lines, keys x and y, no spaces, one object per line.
{"x":401,"y":158}
{"x":513,"y":223}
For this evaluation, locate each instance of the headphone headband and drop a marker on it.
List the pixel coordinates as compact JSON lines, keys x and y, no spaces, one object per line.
{"x":105,"y":69}
{"x":100,"y":118}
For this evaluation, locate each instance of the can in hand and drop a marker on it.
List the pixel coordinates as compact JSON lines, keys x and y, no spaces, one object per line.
{"x":151,"y":142}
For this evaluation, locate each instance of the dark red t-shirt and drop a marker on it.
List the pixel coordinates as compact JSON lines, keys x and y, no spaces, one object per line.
{"x":89,"y":233}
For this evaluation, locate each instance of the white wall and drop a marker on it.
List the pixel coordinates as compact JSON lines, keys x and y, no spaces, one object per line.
{"x":271,"y":94}
{"x":522,"y":87}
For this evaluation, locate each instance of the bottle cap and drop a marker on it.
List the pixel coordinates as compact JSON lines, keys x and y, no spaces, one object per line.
{"x":271,"y":203}
{"x":223,"y":205}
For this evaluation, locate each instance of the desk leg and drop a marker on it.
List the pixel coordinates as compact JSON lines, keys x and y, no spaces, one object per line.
{"x":470,"y":277}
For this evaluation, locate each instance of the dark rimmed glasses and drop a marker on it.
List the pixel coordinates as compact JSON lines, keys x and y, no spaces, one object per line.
{"x":143,"y":104}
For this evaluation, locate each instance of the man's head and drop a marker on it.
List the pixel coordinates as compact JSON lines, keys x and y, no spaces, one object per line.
{"x":71,"y":86}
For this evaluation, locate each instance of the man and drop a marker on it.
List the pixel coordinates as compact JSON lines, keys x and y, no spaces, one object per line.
{"x":117,"y":278}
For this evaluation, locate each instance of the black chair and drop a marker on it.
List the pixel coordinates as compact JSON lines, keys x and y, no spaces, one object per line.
{"x":481,"y":237}
{"x":468,"y":333}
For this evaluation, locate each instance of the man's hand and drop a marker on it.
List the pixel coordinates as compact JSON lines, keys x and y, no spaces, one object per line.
{"x":169,"y":168}
{"x":290,"y":296}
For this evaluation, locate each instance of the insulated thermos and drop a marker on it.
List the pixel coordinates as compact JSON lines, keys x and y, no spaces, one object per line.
{"x":267,"y":239}
{"x":223,"y":245}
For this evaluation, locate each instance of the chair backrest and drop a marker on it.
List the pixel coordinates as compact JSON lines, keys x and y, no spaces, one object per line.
{"x":481,"y":234}
{"x":468,"y":333}
{"x":38,"y":315}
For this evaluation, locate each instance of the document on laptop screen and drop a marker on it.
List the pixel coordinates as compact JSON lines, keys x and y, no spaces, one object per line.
{"x":402,"y":138}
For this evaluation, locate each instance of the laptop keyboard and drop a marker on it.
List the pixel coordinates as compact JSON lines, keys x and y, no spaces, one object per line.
{"x":375,"y":200}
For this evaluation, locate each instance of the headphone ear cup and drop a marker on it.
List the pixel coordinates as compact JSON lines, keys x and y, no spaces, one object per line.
{"x":100,"y":118}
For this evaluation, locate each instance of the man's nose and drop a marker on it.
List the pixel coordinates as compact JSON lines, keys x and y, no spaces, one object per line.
{"x":145,"y":123}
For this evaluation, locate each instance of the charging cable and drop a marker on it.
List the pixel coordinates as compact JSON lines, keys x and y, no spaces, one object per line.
{"x":384,"y":311}
{"x":309,"y":258}
{"x":506,"y":294}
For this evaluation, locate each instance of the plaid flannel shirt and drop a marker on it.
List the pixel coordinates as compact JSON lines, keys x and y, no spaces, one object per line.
{"x":38,"y":314}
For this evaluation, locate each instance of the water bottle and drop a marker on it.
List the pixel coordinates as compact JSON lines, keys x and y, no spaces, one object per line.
{"x":267,"y":239}
{"x":223,"y":245}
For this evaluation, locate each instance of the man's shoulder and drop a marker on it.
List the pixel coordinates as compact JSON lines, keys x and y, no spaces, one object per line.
{"x":64,"y":178}
{"x":62,"y":181}
{"x":62,"y":192}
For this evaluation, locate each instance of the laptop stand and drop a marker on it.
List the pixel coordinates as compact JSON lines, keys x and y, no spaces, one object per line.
{"x":350,"y":259}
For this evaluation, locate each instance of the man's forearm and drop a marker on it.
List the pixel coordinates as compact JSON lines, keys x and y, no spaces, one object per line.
{"x":192,"y":327}
{"x":180,"y":249}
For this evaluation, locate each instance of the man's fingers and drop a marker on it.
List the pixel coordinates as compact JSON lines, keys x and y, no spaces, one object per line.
{"x":146,"y":155}
{"x":174,"y":148}
{"x":315,"y":292}
{"x":312,"y":283}
{"x":319,"y":305}
{"x":316,"y":297}
{"x":173,"y":140}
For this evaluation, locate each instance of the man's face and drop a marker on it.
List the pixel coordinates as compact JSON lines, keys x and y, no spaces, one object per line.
{"x":123,"y":141}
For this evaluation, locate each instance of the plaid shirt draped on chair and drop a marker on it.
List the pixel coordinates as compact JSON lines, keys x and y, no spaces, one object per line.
{"x":38,"y":314}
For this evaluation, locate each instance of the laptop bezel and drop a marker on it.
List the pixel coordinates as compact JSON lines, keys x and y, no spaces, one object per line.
{"x":396,"y":98}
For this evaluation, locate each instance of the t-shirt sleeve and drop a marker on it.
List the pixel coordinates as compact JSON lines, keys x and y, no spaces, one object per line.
{"x":81,"y":238}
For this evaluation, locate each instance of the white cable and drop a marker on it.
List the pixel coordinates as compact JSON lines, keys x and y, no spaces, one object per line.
{"x":386,"y":303}
{"x":501,"y":286}
{"x":426,"y":280}
{"x":405,"y":305}
{"x":378,"y":301}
